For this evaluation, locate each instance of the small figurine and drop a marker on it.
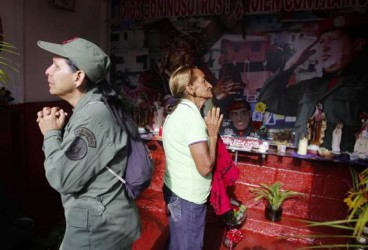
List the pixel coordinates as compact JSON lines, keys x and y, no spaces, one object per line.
{"x":158,"y":115}
{"x":336,"y":138}
{"x":140,"y":113}
{"x":361,"y":144}
{"x":316,"y":126}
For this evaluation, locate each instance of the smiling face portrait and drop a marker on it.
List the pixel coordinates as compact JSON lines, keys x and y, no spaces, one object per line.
{"x":239,"y":113}
{"x":240,"y":118}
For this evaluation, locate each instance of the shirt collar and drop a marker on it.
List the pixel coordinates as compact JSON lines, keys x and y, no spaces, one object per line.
{"x":190,"y":103}
{"x":87,"y":98}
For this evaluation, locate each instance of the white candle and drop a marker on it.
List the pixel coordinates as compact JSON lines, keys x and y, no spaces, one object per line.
{"x":302,"y":148}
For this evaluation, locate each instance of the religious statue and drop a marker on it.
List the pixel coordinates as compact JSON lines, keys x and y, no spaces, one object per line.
{"x":316,"y":126}
{"x":361,"y":144}
{"x":140,"y":112}
{"x":336,"y":138}
{"x":158,"y":115}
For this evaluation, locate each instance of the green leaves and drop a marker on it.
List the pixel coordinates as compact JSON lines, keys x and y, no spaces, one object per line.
{"x":3,"y":76}
{"x":274,"y":194}
{"x":5,"y":63}
{"x":356,"y":221}
{"x":357,"y":201}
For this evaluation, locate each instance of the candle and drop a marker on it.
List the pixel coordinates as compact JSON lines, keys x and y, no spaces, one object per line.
{"x":303,"y":144}
{"x":281,"y":148}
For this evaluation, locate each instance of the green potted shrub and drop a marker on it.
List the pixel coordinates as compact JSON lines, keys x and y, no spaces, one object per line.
{"x":354,"y":234}
{"x":5,"y":64}
{"x":275,"y":196}
{"x":9,"y":48}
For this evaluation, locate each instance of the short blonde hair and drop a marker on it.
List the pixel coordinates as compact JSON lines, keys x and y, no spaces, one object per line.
{"x":181,"y":77}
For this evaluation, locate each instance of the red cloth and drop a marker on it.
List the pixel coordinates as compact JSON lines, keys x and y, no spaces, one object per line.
{"x":225,"y":174}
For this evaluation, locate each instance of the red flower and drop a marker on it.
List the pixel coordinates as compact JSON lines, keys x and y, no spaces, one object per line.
{"x":234,"y":235}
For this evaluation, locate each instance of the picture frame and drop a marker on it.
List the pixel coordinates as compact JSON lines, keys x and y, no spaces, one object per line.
{"x":64,"y":4}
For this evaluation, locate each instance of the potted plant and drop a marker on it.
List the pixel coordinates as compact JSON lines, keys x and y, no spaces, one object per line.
{"x":275,"y":196}
{"x":5,"y":47}
{"x":354,"y":226}
{"x":234,"y":219}
{"x":236,"y":216}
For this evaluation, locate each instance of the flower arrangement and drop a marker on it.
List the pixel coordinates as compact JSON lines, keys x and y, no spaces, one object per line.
{"x":234,"y":219}
{"x":258,"y":115}
{"x":260,"y":107}
{"x":356,"y":223}
{"x":233,"y":237}
{"x":357,"y":201}
{"x":236,"y":216}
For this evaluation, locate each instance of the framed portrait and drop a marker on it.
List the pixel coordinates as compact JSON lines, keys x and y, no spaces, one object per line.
{"x":64,"y":4}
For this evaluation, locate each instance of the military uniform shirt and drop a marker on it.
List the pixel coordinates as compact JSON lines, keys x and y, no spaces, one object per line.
{"x":97,"y":212}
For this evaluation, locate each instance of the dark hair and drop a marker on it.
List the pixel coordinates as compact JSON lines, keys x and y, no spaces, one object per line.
{"x":238,"y":104}
{"x":179,"y":42}
{"x":118,"y":105}
{"x":119,"y":108}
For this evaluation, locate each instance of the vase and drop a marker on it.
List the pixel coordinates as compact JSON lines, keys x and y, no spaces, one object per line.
{"x":273,"y":215}
{"x":235,"y":223}
{"x":229,"y":244}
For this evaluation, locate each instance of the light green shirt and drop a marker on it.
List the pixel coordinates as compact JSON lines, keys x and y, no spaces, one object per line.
{"x":184,"y":127}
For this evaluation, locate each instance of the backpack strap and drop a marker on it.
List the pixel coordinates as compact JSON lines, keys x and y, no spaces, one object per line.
{"x":116,"y":175}
{"x":113,"y":172}
{"x":109,"y":169}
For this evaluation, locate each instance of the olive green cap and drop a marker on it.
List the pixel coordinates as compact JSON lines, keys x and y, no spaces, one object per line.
{"x":86,"y":55}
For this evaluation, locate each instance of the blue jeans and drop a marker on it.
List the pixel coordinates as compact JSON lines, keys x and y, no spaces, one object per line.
{"x":186,"y":222}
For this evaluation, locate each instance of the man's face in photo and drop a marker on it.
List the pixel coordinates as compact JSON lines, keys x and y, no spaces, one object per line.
{"x":336,"y":50}
{"x":240,"y":118}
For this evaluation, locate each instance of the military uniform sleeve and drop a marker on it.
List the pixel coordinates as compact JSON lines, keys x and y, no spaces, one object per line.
{"x":85,"y":149}
{"x":54,"y":138}
{"x":279,"y":97}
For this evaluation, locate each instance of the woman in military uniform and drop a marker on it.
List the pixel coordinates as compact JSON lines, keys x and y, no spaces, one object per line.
{"x":97,"y":211}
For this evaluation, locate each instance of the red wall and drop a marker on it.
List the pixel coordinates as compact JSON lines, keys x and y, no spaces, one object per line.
{"x":324,"y":185}
{"x":22,"y":173}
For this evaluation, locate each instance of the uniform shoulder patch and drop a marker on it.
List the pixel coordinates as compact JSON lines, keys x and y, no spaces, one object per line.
{"x":79,"y":147}
{"x":88,"y":134}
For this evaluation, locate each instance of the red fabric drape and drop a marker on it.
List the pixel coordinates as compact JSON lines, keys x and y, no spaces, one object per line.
{"x":225,"y":174}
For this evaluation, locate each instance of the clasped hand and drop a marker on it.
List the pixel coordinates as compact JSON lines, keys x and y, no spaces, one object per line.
{"x":51,"y":118}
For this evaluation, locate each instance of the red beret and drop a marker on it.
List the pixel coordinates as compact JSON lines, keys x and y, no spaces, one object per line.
{"x":238,"y":104}
{"x":342,"y":21}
